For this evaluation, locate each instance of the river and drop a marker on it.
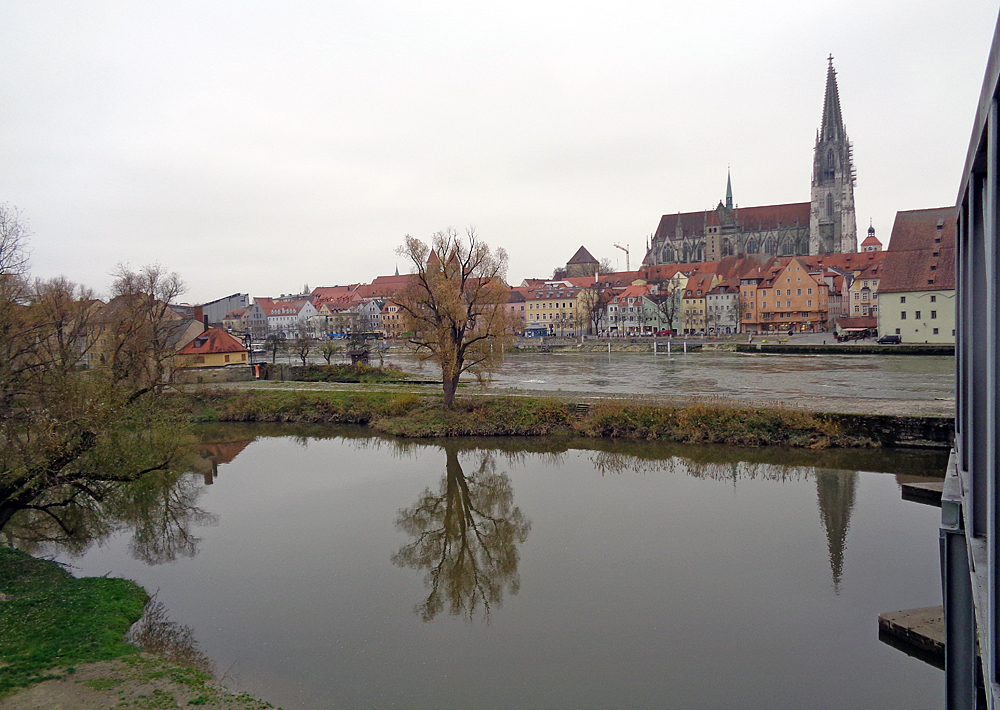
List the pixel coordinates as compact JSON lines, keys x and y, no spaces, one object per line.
{"x":335,"y":569}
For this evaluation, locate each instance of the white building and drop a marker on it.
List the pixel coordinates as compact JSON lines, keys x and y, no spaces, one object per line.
{"x":917,"y":289}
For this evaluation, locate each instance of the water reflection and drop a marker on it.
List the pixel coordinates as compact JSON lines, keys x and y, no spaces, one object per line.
{"x":836,"y":490}
{"x":156,"y":633}
{"x":466,"y":538}
{"x":160,"y":510}
{"x":836,"y":495}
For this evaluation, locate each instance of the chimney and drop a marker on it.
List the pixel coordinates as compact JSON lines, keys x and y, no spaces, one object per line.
{"x":204,"y":322}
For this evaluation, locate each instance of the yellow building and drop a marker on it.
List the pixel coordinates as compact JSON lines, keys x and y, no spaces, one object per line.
{"x":556,"y":305}
{"x":693,"y":301}
{"x":212,"y":348}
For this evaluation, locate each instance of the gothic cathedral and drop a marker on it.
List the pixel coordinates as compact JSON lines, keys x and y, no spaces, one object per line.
{"x":826,"y":224}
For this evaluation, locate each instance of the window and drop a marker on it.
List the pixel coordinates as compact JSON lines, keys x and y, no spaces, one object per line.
{"x":902,"y":315}
{"x":916,"y":315}
{"x":857,"y":308}
{"x":809,"y":291}
{"x":897,"y":331}
{"x":809,"y":303}
{"x":902,"y":299}
{"x":935,"y":331}
{"x":788,"y":304}
{"x":933,"y":315}
{"x":798,"y":292}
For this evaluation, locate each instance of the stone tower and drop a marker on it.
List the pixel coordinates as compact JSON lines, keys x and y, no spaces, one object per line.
{"x":832,"y":226}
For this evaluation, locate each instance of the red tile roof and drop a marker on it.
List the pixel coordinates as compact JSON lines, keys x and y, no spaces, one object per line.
{"x":213,"y":340}
{"x":921,"y":254}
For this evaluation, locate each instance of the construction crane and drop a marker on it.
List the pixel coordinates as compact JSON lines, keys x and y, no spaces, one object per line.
{"x":624,"y":249}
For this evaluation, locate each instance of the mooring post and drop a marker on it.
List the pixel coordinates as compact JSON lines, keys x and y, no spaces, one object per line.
{"x":685,"y":347}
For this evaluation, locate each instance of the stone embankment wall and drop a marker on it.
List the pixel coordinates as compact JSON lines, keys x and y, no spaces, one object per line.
{"x":676,"y":345}
{"x":845,"y":349}
{"x":206,"y":375}
{"x":896,"y":431}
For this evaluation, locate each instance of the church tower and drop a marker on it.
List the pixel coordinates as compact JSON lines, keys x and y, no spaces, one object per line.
{"x":832,"y":226}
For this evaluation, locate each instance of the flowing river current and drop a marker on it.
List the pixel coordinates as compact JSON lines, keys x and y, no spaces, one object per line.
{"x":323,"y":568}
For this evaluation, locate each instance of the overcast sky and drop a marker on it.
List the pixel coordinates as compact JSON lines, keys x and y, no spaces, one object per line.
{"x":257,"y":147}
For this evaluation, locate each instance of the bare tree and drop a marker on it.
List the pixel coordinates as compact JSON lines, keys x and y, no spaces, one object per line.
{"x":456,"y":305}
{"x":606,"y":267}
{"x":328,"y":349}
{"x":66,"y":435}
{"x":669,"y":305}
{"x":139,"y":325}
{"x":274,"y":344}
{"x":302,"y":346}
{"x":594,"y":303}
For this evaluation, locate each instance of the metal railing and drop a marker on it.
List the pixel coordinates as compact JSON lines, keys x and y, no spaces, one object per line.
{"x":970,"y":553}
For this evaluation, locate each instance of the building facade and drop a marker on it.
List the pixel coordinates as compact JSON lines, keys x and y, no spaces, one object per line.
{"x":917,"y":290}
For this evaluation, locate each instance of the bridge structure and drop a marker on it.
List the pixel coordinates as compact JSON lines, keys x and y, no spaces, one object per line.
{"x":970,"y":511}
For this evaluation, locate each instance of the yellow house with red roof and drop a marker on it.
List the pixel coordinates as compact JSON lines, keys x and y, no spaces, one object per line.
{"x":214,"y":347}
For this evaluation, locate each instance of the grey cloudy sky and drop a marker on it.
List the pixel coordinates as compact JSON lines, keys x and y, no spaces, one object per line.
{"x":257,"y":147}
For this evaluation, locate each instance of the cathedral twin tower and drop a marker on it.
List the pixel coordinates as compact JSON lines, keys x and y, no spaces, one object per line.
{"x":826,"y":224}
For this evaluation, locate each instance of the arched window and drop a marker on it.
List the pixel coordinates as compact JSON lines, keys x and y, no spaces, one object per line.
{"x":829,"y":204}
{"x":829,"y":159}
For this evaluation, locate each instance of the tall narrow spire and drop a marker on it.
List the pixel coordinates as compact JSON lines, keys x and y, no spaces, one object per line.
{"x":729,"y":190}
{"x":833,"y":124}
{"x":832,"y":225}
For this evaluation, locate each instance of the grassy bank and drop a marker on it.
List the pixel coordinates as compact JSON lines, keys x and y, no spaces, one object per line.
{"x":62,"y":643}
{"x":413,"y":415}
{"x":50,"y":620}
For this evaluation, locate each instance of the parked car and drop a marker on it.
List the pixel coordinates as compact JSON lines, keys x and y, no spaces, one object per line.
{"x":890,"y":340}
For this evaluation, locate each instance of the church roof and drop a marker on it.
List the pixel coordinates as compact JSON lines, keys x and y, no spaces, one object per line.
{"x":748,"y":218}
{"x":582,"y":256}
{"x":871,"y":241}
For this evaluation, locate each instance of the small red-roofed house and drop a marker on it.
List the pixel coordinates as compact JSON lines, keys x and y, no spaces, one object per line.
{"x":214,"y":347}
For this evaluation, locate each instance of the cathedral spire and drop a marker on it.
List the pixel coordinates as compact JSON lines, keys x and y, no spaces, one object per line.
{"x":729,"y":190}
{"x":833,"y":124}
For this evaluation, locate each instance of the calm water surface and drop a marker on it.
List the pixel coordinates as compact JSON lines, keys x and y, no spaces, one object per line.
{"x":338,"y":570}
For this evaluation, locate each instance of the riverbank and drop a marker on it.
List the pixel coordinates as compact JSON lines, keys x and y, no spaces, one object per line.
{"x":409,"y":413}
{"x":62,"y":646}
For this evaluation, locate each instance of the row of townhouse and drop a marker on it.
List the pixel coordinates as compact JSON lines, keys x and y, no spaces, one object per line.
{"x":324,"y":311}
{"x":756,"y":293}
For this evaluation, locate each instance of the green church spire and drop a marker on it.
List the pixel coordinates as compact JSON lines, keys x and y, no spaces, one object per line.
{"x":729,"y":190}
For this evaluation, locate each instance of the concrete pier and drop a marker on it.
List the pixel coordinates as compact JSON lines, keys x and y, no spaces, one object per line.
{"x":916,"y":632}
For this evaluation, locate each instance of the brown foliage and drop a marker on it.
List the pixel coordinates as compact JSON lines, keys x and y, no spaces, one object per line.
{"x":456,"y":305}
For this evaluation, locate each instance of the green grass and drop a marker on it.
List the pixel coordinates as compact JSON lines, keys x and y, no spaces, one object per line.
{"x":51,"y":620}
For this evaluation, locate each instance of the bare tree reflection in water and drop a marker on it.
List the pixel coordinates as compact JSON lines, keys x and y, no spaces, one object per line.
{"x":467,"y":537}
{"x":160,"y":510}
{"x":157,"y":634}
